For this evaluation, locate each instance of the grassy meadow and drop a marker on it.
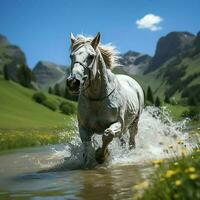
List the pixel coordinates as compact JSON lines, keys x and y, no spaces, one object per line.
{"x":23,"y":122}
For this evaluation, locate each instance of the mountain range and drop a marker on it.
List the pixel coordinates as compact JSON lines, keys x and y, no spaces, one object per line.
{"x":173,"y":71}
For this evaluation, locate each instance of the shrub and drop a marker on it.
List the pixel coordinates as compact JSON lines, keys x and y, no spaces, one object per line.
{"x":50,"y":90}
{"x":67,"y":108}
{"x":167,"y":99}
{"x":157,"y":102}
{"x":150,"y":95}
{"x":50,"y":104}
{"x":5,"y":73}
{"x":25,"y":76}
{"x":57,"y":90}
{"x":39,"y":97}
{"x":192,"y":113}
{"x":192,"y":101}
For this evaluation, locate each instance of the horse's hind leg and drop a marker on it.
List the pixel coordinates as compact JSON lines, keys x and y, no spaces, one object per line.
{"x":107,"y":137}
{"x":133,"y":129}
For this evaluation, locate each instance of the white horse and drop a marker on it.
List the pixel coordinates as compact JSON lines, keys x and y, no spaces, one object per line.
{"x":108,"y":104}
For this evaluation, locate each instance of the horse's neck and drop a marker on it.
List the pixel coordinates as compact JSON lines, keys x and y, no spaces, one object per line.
{"x":103,"y":84}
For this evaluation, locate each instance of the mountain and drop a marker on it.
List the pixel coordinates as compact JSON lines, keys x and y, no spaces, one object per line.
{"x":12,"y":56}
{"x":181,"y":74}
{"x":169,"y":46}
{"x":174,"y":70}
{"x":48,"y":74}
{"x":133,"y":62}
{"x":3,"y":41}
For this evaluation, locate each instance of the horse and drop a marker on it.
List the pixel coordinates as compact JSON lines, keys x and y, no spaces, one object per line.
{"x":108,"y":104}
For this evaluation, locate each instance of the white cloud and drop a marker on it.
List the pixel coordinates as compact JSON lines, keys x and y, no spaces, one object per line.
{"x":149,"y":21}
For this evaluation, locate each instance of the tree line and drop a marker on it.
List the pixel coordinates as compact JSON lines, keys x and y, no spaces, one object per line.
{"x":57,"y":90}
{"x":24,"y":75}
{"x":150,"y":98}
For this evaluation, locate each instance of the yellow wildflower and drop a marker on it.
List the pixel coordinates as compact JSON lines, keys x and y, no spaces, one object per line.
{"x":142,"y":185}
{"x":190,"y":170}
{"x":158,"y":162}
{"x":193,"y":176}
{"x":137,"y":196}
{"x":170,"y":173}
{"x":178,"y":182}
{"x":170,"y":147}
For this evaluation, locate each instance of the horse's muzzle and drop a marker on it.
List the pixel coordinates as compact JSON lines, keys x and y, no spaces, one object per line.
{"x":73,"y":84}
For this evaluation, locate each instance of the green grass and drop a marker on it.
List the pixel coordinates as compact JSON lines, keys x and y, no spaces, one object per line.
{"x":21,"y":115}
{"x":18,"y":139}
{"x":19,"y":111}
{"x":176,"y":111}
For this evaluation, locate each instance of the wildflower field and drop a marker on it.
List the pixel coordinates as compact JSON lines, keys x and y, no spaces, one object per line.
{"x":22,"y":138}
{"x":177,"y":178}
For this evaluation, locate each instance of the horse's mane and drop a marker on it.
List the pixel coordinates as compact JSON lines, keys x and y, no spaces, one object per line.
{"x":108,"y":51}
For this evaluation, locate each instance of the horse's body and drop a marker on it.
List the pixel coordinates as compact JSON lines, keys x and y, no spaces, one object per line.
{"x":109,"y":105}
{"x":124,"y":105}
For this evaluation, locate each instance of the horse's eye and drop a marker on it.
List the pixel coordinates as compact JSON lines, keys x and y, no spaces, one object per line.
{"x":91,"y":57}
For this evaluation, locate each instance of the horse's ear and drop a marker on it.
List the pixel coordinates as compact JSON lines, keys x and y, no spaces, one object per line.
{"x":96,"y":40}
{"x":73,"y":39}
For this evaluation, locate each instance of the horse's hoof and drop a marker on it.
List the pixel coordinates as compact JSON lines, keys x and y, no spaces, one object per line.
{"x":101,"y":156}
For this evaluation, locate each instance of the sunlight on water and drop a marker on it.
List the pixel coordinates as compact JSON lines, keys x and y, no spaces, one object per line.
{"x":158,"y":137}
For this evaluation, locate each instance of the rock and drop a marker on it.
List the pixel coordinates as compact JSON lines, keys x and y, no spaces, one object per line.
{"x":48,"y":74}
{"x":134,"y":63}
{"x":169,"y":46}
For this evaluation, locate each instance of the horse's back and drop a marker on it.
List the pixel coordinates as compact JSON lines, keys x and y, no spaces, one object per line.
{"x":132,"y":89}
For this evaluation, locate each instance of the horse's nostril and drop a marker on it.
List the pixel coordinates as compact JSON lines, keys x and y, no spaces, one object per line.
{"x":77,"y":83}
{"x":73,"y":84}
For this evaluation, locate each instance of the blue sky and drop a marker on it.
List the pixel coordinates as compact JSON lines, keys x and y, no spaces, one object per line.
{"x":42,"y":27}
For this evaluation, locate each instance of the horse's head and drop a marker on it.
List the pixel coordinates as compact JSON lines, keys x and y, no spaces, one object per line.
{"x":83,"y":62}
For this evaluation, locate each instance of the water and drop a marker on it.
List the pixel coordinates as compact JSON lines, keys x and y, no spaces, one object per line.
{"x":57,"y":172}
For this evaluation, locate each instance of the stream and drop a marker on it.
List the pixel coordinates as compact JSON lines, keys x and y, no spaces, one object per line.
{"x":57,"y":172}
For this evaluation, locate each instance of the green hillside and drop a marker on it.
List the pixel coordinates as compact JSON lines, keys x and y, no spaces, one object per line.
{"x":19,"y":111}
{"x":172,"y":78}
{"x":23,"y":122}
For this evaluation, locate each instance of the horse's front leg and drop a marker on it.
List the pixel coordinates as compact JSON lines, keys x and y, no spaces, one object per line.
{"x":88,"y":150}
{"x":109,"y":134}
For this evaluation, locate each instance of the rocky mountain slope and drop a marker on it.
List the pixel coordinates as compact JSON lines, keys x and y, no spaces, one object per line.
{"x":170,"y":45}
{"x":12,"y":56}
{"x":174,"y":70}
{"x":134,"y":63}
{"x":48,"y":74}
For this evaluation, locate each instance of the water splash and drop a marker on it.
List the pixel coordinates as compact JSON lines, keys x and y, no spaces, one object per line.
{"x":158,"y":137}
